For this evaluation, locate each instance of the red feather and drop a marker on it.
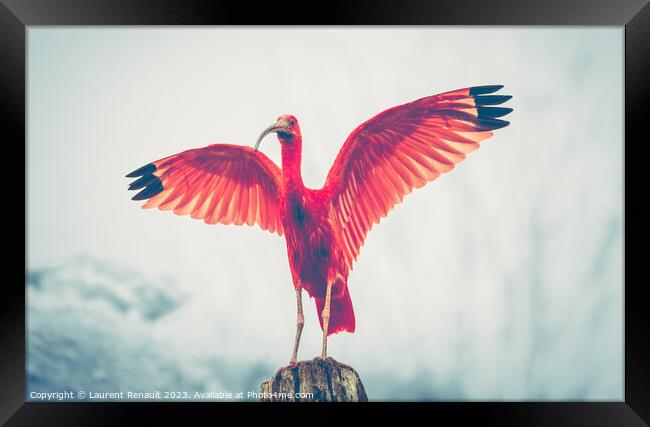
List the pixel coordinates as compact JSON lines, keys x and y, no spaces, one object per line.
{"x":213,"y":184}
{"x":418,"y":141}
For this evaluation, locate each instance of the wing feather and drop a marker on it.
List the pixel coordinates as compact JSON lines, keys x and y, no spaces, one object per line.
{"x":403,"y":148}
{"x":220,"y":183}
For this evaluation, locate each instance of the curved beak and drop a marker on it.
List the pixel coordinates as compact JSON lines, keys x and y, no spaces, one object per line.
{"x":279,"y":126}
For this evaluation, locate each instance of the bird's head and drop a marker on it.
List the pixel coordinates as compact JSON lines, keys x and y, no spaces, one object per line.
{"x":287,"y":129}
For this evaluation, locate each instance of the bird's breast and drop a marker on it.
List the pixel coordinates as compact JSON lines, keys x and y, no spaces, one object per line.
{"x":309,"y":238}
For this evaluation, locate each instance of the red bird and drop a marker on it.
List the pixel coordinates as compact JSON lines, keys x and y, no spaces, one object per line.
{"x":381,"y":161}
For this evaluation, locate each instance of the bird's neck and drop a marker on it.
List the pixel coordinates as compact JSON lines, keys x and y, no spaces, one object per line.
{"x":291,"y":161}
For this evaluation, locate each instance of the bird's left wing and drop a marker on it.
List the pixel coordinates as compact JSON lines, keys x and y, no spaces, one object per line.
{"x":403,"y":148}
{"x":220,"y":183}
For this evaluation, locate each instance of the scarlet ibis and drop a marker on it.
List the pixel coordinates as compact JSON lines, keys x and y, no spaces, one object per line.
{"x":381,"y":161}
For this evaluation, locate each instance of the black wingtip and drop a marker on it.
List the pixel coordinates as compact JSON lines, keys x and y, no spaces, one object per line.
{"x":483,"y":90}
{"x":487,"y":113}
{"x":491,"y":124}
{"x":151,"y":183}
{"x":491,"y":99}
{"x":503,"y":124}
{"x":492,"y":112}
{"x":143,"y":181}
{"x":144,"y":170}
{"x":150,"y":191}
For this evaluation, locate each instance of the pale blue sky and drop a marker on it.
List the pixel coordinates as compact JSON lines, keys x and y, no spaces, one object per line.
{"x":499,"y":280}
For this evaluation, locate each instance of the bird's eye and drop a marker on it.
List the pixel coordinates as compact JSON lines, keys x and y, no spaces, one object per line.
{"x":293,"y":122}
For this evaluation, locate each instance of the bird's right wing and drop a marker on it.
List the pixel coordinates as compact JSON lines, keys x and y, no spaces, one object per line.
{"x":220,"y":183}
{"x":403,"y":148}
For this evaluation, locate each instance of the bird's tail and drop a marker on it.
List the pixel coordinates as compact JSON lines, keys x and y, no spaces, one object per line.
{"x":341,"y":313}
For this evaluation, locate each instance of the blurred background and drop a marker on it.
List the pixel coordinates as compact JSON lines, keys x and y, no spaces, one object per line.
{"x":501,"y":280}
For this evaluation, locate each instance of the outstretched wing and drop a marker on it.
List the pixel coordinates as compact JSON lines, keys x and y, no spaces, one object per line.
{"x":220,"y":183}
{"x":403,"y":148}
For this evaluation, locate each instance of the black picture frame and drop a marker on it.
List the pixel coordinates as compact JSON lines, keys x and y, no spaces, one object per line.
{"x":16,"y":15}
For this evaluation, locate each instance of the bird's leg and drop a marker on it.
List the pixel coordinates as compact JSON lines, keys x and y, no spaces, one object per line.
{"x":326,"y":317}
{"x":299,"y":324}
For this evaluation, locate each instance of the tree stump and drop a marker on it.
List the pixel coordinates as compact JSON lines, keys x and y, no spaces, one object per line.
{"x":317,"y":380}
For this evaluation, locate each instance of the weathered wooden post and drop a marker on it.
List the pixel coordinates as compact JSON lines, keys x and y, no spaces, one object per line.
{"x":317,"y":380}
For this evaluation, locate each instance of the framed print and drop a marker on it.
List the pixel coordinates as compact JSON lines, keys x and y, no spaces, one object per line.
{"x":422,"y":206}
